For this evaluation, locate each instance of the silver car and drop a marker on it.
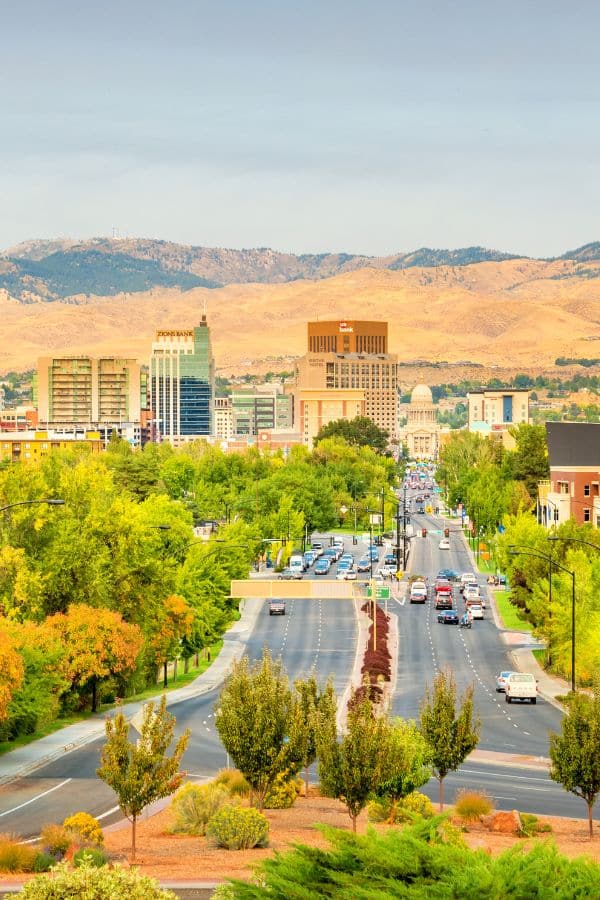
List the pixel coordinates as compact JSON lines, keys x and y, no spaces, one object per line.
{"x":501,"y":681}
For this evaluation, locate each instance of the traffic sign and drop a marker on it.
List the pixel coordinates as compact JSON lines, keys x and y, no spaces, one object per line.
{"x":382,"y":592}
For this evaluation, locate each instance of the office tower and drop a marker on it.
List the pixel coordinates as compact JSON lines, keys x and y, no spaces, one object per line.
{"x":182,"y":383}
{"x":75,"y":390}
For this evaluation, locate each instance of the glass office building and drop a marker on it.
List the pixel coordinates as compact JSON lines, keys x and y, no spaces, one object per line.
{"x":182,"y":375}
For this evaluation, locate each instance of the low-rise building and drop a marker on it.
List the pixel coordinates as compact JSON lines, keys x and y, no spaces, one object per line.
{"x":29,"y":446}
{"x":573,"y":489}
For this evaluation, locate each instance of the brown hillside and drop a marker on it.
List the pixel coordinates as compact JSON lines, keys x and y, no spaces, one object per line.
{"x":521,"y":313}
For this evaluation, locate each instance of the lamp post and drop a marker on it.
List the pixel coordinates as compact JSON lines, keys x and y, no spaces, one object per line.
{"x":52,"y":501}
{"x":515,"y":551}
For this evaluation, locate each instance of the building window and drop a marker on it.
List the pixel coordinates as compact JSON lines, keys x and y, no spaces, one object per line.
{"x":587,"y":515}
{"x":586,"y":490}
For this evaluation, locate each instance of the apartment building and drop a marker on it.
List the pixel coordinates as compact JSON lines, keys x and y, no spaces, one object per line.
{"x":82,"y":390}
{"x":497,"y":409}
{"x":29,"y":446}
{"x":573,"y":489}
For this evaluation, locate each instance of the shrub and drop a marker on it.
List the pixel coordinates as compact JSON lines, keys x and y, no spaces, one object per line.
{"x":194,"y":804}
{"x":85,"y":827}
{"x":415,"y":804}
{"x":379,"y":810}
{"x":90,"y":856}
{"x":531,"y":825}
{"x":283,"y":792}
{"x":43,"y":862}
{"x":115,"y":883}
{"x":234,"y":782}
{"x":56,"y":839}
{"x":16,"y":857}
{"x":471,"y":805}
{"x":238,"y":828}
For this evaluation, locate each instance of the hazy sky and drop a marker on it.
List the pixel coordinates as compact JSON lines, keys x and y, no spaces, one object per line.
{"x":303,"y":125}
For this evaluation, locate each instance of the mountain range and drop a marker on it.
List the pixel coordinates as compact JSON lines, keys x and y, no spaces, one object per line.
{"x":44,"y":271}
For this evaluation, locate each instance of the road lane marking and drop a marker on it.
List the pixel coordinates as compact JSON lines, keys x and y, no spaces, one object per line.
{"x":7,"y":812}
{"x":109,"y":812}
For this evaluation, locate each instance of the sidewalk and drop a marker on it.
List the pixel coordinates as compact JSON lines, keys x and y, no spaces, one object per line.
{"x":25,"y":760}
{"x":549,"y":686}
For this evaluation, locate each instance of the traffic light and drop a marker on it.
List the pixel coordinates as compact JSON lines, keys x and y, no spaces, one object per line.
{"x":423,"y":532}
{"x":446,"y":532}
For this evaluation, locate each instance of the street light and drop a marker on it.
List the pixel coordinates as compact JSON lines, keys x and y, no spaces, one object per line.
{"x":51,"y":501}
{"x":514,"y":551}
{"x":555,"y":537}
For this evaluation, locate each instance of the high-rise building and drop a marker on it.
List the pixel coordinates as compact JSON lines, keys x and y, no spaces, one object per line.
{"x":75,"y":390}
{"x":261,"y":408}
{"x":182,"y":380}
{"x":351,"y":356}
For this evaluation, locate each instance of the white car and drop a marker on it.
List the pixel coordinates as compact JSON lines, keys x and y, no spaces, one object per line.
{"x":444,"y":544}
{"x":476,"y":610}
{"x":387,"y":571}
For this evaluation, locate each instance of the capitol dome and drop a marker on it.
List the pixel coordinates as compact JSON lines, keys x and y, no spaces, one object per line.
{"x":421,"y":394}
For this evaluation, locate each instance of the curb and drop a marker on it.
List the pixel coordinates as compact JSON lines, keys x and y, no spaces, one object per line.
{"x":232,"y":650}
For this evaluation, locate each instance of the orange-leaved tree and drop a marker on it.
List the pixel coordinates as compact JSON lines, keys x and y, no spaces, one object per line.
{"x":98,"y":643}
{"x":11,"y":670}
{"x":175,"y":621}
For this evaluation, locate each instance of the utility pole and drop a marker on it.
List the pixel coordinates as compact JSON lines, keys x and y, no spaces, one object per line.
{"x":404,"y":517}
{"x":382,"y":510}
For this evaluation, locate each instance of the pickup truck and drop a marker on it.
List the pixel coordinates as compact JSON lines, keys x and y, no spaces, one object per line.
{"x":276,"y":607}
{"x":520,"y":686}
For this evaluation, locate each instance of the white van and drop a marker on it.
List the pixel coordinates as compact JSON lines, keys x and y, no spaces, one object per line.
{"x":520,"y":686}
{"x":418,"y":592}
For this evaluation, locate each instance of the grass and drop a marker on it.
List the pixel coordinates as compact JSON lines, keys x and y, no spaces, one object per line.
{"x":154,"y":691}
{"x":541,"y":656}
{"x":510,"y":614}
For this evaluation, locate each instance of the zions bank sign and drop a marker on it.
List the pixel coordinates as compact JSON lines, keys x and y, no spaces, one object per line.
{"x":346,"y":328}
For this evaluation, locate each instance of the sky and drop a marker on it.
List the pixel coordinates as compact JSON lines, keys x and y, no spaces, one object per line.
{"x":302,"y":125}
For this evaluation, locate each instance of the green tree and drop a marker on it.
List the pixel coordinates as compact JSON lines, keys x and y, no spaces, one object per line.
{"x":452,"y":732}
{"x":140,"y":773}
{"x":351,"y":767}
{"x":255,"y":721}
{"x":575,"y":750}
{"x":361,"y":431}
{"x":406,"y":765}
{"x":311,"y":702}
{"x":528,"y":462}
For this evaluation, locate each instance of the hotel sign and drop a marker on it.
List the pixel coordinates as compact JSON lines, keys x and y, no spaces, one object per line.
{"x":346,"y":328}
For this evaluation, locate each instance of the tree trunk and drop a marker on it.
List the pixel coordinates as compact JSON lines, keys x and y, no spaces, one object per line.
{"x":94,"y":696}
{"x":392,"y":816}
{"x":441,"y":780}
{"x":175,"y":670}
{"x":133,"y":824}
{"x":306,"y":781}
{"x":354,"y":818}
{"x":590,"y":820}
{"x":165,"y":678}
{"x":197,"y":660}
{"x":186,"y":665}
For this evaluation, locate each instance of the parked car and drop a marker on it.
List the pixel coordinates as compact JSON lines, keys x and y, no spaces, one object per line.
{"x":288,"y":574}
{"x":501,"y":681}
{"x":448,"y":617}
{"x":444,"y":544}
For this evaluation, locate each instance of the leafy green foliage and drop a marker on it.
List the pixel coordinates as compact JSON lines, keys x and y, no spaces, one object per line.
{"x":85,"y":827}
{"x":234,"y":782}
{"x":255,"y":719}
{"x":422,"y":860}
{"x":140,"y":773}
{"x":194,"y":804}
{"x":283,"y":792}
{"x":575,"y":750}
{"x":56,"y":839}
{"x":360,"y":431}
{"x":15,"y":857}
{"x":451,"y":731}
{"x":351,"y":767}
{"x":87,"y":882}
{"x":90,"y":856}
{"x":238,"y":828}
{"x":406,"y":764}
{"x":531,"y":825}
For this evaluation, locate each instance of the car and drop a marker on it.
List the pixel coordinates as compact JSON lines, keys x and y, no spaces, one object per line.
{"x":501,"y":681}
{"x":476,"y":610}
{"x":421,"y":510}
{"x":288,"y":574}
{"x":387,"y":571}
{"x":317,"y":548}
{"x":521,"y":686}
{"x":418,"y":592}
{"x":276,"y":607}
{"x":348,"y":556}
{"x":419,"y":499}
{"x":364,"y":564}
{"x":389,"y":559}
{"x":338,"y":542}
{"x":449,"y":574}
{"x":448,"y":617}
{"x":346,"y":575}
{"x":444,"y":544}
{"x":443,"y":601}
{"x":322,"y":567}
{"x":443,"y":587}
{"x":374,"y":555}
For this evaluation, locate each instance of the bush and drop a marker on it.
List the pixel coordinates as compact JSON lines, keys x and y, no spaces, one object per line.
{"x":56,"y":839}
{"x":86,"y":827}
{"x":415,"y":804}
{"x":283,"y":792}
{"x":94,"y":884}
{"x":90,"y":856}
{"x":16,"y":857}
{"x":194,"y":805}
{"x":234,"y":782}
{"x":471,"y":805}
{"x":43,"y":862}
{"x":238,"y":828}
{"x":531,"y":825}
{"x":379,"y":810}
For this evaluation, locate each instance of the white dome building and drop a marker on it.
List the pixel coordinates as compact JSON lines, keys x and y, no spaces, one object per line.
{"x":421,"y":433}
